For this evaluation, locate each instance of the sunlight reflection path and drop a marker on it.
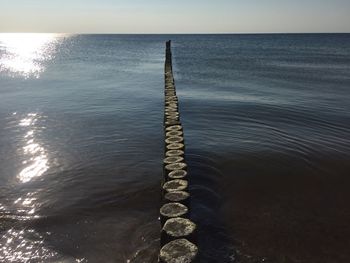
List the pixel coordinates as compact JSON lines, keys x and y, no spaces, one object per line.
{"x":37,"y":160}
{"x":18,"y":241}
{"x":24,"y":245}
{"x":24,"y":54}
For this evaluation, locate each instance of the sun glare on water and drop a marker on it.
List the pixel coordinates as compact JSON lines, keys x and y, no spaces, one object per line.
{"x":25,"y":54}
{"x":37,"y":161}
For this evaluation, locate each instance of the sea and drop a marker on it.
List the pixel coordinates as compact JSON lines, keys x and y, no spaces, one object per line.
{"x":266,"y":120}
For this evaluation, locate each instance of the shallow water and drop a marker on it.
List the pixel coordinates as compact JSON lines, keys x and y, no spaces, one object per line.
{"x":81,"y":149}
{"x":272,"y":114}
{"x":267,"y":129}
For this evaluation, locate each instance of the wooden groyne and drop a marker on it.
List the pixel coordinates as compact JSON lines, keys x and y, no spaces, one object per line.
{"x":178,"y":232}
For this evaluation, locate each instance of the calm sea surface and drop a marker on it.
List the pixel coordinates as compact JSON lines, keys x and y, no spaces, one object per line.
{"x":267,"y":129}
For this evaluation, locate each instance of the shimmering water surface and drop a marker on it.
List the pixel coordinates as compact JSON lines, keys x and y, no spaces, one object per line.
{"x":267,"y":129}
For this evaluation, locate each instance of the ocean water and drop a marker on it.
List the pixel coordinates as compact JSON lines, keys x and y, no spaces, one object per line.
{"x":267,"y":130}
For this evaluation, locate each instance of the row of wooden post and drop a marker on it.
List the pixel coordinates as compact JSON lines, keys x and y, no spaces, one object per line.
{"x":178,"y":232}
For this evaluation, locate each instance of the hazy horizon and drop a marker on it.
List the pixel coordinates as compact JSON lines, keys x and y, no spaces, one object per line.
{"x":181,"y":17}
{"x":190,"y":33}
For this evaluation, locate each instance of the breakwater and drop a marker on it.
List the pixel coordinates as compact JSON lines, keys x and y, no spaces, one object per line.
{"x":178,"y":232}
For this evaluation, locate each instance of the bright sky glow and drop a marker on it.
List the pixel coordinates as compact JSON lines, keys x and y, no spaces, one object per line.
{"x":181,"y":16}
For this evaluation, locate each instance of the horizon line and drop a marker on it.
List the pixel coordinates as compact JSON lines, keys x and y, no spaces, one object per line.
{"x":178,"y":33}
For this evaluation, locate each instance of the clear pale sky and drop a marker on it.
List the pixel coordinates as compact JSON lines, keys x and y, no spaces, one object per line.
{"x":177,"y":16}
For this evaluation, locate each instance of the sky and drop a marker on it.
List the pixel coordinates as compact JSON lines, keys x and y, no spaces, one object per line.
{"x":180,"y":16}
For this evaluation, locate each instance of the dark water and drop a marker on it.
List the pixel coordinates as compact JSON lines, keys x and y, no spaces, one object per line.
{"x":267,"y":129}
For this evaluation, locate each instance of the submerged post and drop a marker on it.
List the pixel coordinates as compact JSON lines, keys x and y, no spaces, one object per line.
{"x":178,"y":232}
